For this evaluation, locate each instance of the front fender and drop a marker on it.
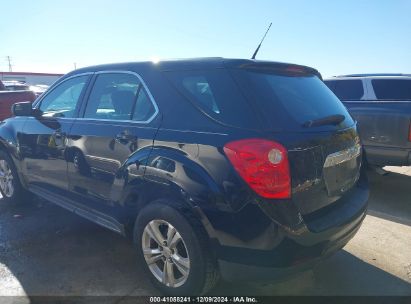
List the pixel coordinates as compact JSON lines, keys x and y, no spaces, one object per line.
{"x":10,"y":138}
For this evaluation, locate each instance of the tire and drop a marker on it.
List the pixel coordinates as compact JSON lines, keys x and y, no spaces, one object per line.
{"x":10,"y":187}
{"x":81,"y":164}
{"x":192,"y":250}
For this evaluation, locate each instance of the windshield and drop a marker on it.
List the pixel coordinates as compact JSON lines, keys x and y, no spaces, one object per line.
{"x":289,"y":101}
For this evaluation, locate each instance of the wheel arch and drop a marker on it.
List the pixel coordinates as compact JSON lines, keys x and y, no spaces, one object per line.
{"x":189,"y":188}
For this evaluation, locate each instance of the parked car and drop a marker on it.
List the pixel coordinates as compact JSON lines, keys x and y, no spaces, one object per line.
{"x":381,"y":103}
{"x":38,"y":89}
{"x":14,"y":85}
{"x":8,"y":98}
{"x":244,"y":169}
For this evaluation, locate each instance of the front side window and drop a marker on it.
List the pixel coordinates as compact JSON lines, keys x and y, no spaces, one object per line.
{"x":392,"y":89}
{"x":63,"y":99}
{"x":118,"y":96}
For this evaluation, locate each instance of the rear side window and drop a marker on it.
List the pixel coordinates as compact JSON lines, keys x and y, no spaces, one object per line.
{"x":347,"y":90}
{"x":287,"y":102}
{"x":119,"y":96}
{"x":216,"y":94}
{"x":392,"y":89}
{"x":144,"y":108}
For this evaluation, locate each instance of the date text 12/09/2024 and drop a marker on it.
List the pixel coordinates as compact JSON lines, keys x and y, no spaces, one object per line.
{"x":240,"y":299}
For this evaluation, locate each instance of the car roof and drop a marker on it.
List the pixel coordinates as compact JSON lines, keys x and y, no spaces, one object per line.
{"x":371,"y":76}
{"x":187,"y":64}
{"x":14,"y":82}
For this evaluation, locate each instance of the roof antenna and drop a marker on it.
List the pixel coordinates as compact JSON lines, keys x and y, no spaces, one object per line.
{"x":258,"y":47}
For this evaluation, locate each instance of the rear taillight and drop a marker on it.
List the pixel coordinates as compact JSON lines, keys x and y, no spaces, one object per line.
{"x":263,"y":164}
{"x":409,"y":132}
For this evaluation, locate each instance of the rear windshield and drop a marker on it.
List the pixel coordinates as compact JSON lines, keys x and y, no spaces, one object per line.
{"x":392,"y":89}
{"x":289,"y":101}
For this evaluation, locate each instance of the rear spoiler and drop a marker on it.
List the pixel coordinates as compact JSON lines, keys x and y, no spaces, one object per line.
{"x":281,"y":68}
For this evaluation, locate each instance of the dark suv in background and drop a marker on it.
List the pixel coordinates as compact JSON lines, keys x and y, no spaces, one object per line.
{"x":381,"y":103}
{"x":241,"y":168}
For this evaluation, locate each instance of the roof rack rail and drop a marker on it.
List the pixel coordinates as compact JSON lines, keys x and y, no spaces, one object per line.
{"x":374,"y":74}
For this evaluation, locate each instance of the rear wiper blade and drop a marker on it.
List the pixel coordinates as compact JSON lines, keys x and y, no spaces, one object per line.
{"x":328,"y":120}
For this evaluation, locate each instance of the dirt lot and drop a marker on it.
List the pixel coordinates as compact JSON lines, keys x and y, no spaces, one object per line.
{"x":46,"y":250}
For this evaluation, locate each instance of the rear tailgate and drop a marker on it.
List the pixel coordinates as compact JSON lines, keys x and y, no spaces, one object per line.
{"x":300,"y":112}
{"x":323,"y":168}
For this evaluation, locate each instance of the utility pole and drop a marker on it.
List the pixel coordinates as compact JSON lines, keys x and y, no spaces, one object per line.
{"x":9,"y":60}
{"x":75,"y":66}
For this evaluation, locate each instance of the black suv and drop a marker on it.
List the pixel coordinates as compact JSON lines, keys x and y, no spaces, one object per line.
{"x":240,"y":168}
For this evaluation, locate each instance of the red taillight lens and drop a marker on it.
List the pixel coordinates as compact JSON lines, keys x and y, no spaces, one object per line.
{"x":409,"y":132}
{"x":263,"y":164}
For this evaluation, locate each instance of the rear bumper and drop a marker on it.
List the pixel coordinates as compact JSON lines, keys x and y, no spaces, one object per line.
{"x":294,"y":258}
{"x":278,"y":251}
{"x":387,"y":156}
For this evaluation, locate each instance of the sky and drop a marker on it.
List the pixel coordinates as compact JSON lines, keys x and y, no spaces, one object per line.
{"x":336,"y":37}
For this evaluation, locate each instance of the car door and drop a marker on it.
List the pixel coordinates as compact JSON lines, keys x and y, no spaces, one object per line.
{"x":120,"y":119}
{"x":43,"y":139}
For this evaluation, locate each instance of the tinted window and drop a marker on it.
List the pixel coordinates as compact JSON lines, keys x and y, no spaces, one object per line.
{"x":347,"y":89}
{"x":144,"y":108}
{"x":63,"y":99}
{"x":199,"y":88}
{"x":216,"y":94}
{"x":392,"y":89}
{"x":112,"y":96}
{"x":287,"y":102}
{"x":119,"y":96}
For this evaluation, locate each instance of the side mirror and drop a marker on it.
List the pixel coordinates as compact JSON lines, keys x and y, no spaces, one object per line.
{"x":22,"y":109}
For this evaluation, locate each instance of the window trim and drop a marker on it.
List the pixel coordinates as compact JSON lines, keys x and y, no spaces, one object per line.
{"x":37,"y":102}
{"x":150,"y":96}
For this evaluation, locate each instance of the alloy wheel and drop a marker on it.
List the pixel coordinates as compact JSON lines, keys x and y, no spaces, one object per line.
{"x":6,"y":179}
{"x":165,"y":253}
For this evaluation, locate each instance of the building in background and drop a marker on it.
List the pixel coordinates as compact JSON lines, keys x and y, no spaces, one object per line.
{"x":30,"y":78}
